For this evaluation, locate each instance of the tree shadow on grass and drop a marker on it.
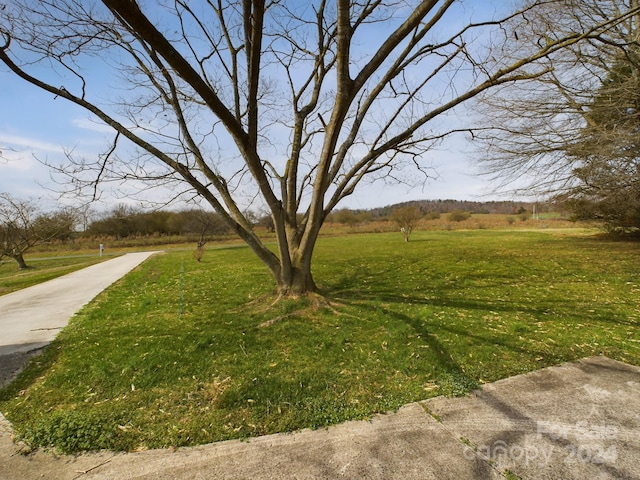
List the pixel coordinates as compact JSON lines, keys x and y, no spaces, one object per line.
{"x":450,"y":366}
{"x":350,"y":289}
{"x":376,"y":300}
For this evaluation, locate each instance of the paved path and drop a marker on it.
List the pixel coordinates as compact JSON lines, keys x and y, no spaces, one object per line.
{"x":32,"y":317}
{"x":579,"y":420}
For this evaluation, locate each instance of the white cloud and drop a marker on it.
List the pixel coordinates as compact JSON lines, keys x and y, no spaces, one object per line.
{"x":16,"y":161}
{"x":22,"y":175}
{"x":20,"y":143}
{"x":92,"y":125}
{"x":21,"y":172}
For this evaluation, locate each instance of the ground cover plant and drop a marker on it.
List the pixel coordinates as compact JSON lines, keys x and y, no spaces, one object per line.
{"x":181,"y":353}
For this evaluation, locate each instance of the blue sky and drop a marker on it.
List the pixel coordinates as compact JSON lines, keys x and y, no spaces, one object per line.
{"x":34,"y":125}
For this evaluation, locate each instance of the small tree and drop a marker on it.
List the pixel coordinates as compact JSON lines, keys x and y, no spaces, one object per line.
{"x":23,"y":225}
{"x":406,"y":218}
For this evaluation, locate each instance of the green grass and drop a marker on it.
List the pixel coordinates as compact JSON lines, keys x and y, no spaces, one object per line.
{"x":180,"y":353}
{"x":41,"y":270}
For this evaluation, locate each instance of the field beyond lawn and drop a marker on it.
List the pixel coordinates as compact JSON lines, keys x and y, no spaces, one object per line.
{"x":183,"y":353}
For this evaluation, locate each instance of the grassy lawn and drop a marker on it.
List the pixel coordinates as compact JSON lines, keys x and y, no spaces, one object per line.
{"x":41,"y":270}
{"x":180,"y":353}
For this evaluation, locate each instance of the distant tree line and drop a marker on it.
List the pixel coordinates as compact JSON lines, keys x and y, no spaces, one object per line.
{"x":23,"y":223}
{"x":506,"y":207}
{"x":124,"y":221}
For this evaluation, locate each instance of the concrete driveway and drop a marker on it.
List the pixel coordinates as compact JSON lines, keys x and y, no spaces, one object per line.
{"x":32,"y":317}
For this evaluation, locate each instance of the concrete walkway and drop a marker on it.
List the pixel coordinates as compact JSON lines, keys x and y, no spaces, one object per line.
{"x":32,"y":317}
{"x":574,"y":421}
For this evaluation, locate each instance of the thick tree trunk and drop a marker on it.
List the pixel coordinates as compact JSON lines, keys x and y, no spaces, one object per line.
{"x":293,"y":273}
{"x":295,"y":281}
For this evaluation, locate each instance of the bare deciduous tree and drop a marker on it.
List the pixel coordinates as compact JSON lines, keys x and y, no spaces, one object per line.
{"x":573,"y":132}
{"x":406,"y":218}
{"x":23,"y":225}
{"x":607,"y":152}
{"x":17,"y":233}
{"x":289,"y":104}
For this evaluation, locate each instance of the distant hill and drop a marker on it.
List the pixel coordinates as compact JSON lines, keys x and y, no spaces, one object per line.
{"x":446,"y":206}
